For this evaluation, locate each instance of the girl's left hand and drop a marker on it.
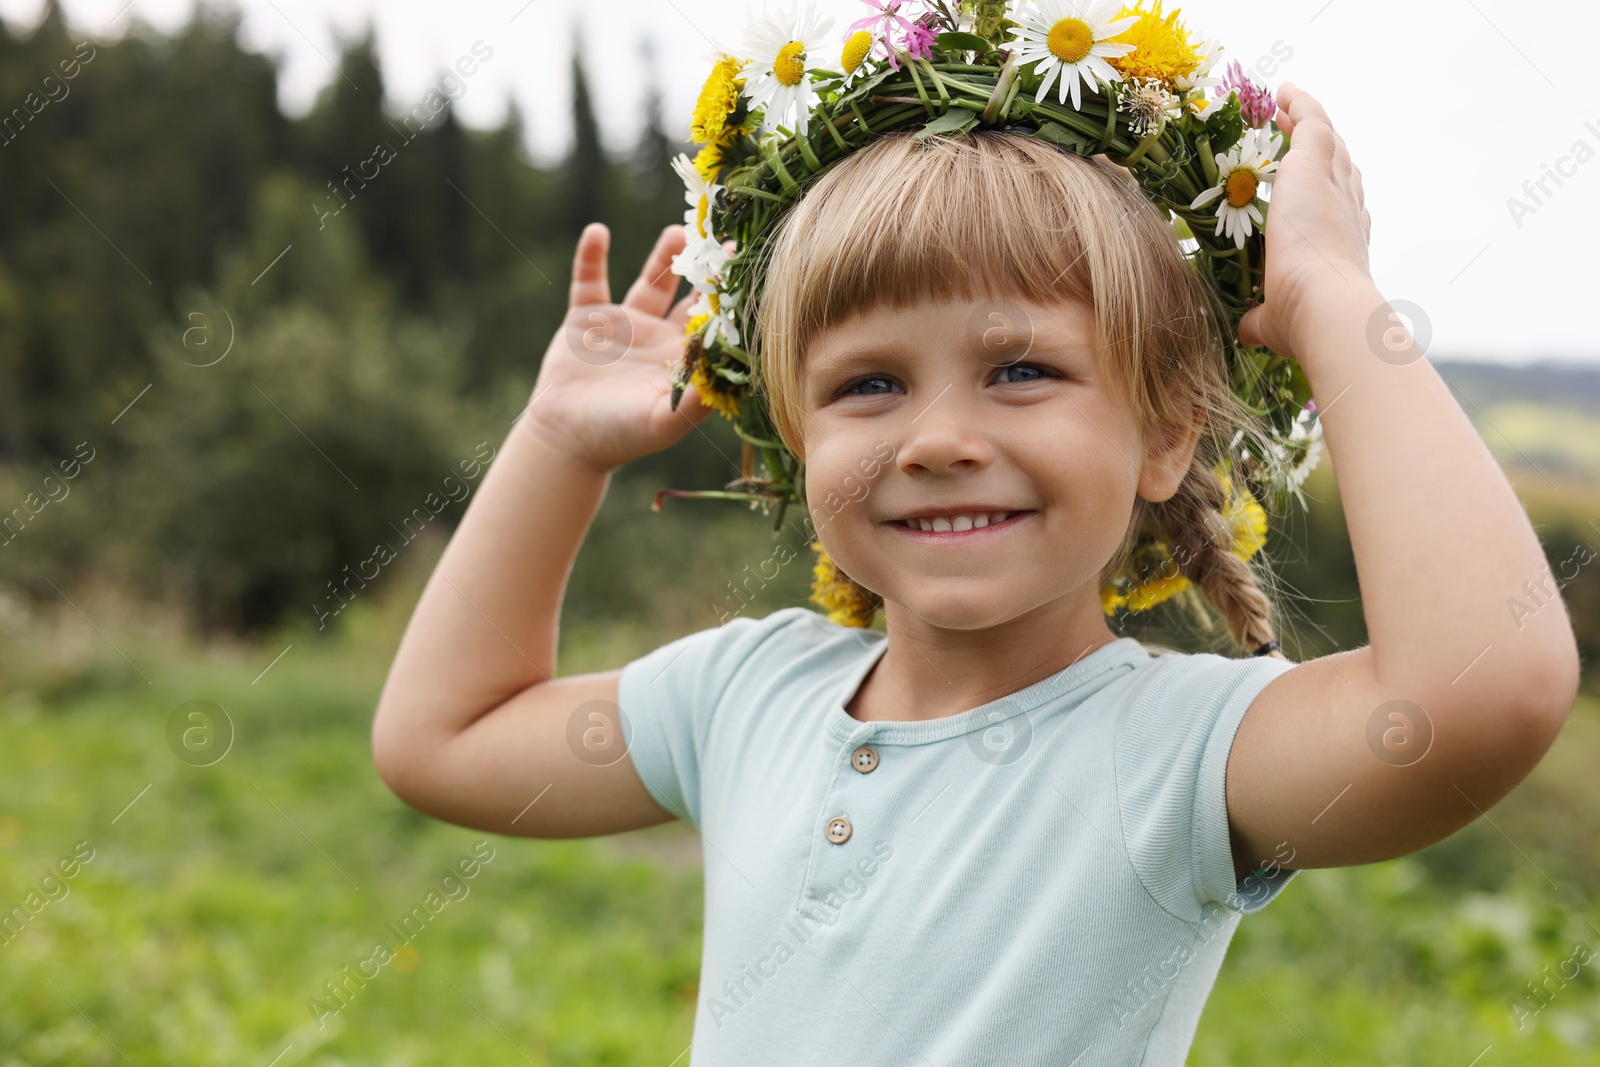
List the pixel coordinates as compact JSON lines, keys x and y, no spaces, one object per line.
{"x":1317,"y":227}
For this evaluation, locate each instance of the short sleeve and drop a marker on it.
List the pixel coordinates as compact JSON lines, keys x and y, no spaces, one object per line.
{"x":1172,"y":742}
{"x":669,"y":699}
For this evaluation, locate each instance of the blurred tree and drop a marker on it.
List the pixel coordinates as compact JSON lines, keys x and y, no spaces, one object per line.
{"x":588,"y":170}
{"x":650,"y":169}
{"x":120,"y":189}
{"x":331,"y":428}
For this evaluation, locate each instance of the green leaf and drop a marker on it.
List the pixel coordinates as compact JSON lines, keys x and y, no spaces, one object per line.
{"x":1225,"y":125}
{"x":1062,"y":137}
{"x":951,"y":41}
{"x":954,"y":122}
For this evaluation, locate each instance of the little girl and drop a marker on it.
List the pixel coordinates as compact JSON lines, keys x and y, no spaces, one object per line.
{"x":997,"y":833}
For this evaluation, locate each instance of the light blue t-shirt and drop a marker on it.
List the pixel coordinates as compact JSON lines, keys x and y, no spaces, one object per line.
{"x":1044,"y":879}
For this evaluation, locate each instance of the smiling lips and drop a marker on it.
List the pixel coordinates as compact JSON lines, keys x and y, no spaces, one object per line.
{"x":949,"y":526}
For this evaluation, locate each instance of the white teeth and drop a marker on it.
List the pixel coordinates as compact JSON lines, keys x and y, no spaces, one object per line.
{"x":958,"y":523}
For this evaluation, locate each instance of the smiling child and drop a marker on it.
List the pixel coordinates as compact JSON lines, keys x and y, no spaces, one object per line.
{"x":995,"y":832}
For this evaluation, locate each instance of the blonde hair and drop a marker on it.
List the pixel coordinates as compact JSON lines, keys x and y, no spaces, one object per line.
{"x":994,"y":215}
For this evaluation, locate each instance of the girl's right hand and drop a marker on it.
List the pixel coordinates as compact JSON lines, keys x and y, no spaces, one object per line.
{"x":603,"y":395}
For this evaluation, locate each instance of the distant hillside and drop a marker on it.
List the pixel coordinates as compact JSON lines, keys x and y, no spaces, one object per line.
{"x":1543,"y":417}
{"x":1564,"y":384}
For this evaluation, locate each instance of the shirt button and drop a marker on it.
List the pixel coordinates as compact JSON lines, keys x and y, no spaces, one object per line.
{"x":864,"y":759}
{"x":839,"y":830}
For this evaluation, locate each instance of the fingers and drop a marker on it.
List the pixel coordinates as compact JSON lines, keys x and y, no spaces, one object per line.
{"x":1250,"y":327}
{"x":1253,"y":330}
{"x":1304,"y":120}
{"x":1300,"y":104}
{"x":589,"y":282}
{"x":653,"y":290}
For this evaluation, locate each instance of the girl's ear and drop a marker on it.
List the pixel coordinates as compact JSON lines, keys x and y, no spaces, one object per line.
{"x":1167,"y":463}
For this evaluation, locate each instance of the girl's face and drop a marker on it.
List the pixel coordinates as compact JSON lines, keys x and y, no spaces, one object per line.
{"x":957,"y":408}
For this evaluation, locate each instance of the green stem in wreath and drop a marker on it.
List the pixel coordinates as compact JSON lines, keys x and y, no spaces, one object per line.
{"x":703,"y":494}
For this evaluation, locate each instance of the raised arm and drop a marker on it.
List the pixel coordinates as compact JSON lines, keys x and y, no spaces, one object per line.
{"x":473,"y":725}
{"x":1377,"y":752}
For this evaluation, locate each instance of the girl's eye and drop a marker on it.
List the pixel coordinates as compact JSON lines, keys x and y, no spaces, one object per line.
{"x":853,"y":387}
{"x":1032,"y":372}
{"x":1024,"y":367}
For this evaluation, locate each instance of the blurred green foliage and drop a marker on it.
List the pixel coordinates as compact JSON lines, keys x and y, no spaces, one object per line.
{"x":268,"y":392}
{"x":274,"y":360}
{"x":218,"y":905}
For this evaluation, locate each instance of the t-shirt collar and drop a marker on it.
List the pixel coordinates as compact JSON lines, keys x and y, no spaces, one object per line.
{"x":842,"y":727}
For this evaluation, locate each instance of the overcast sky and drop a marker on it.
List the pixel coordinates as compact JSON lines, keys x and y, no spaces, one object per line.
{"x":1448,"y":107}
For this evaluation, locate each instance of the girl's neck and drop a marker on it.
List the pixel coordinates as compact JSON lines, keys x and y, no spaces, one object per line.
{"x":928,"y":672}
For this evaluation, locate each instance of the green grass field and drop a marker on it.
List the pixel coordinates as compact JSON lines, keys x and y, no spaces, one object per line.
{"x":221,"y":900}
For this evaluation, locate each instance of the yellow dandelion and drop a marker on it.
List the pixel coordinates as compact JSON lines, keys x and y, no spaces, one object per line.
{"x":1110,"y":599}
{"x":1147,"y":595}
{"x":719,"y":98}
{"x":1248,"y":521}
{"x":707,"y":161}
{"x":1245,"y":516}
{"x":715,"y":391}
{"x":1162,"y":48}
{"x":836,"y":594}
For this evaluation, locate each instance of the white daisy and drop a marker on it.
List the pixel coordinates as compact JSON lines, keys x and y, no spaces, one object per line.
{"x":1071,"y":39}
{"x":1208,"y":49}
{"x":702,"y":261}
{"x":782,"y":47}
{"x":699,"y":195}
{"x":719,"y":306}
{"x":1203,"y":107}
{"x":1240,"y":174}
{"x":1313,"y":455}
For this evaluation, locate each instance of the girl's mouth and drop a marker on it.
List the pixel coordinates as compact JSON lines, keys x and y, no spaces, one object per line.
{"x":959,"y":529}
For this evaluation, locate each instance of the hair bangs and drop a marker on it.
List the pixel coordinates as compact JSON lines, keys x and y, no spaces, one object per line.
{"x":990,"y":216}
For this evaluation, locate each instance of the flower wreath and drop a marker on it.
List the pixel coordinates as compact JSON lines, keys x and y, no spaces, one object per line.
{"x":1128,"y":82}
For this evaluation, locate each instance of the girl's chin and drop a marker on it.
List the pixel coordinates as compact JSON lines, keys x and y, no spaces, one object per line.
{"x":965,"y":613}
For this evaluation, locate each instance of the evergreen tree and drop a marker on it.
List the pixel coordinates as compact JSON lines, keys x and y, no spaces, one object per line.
{"x":651,"y":168}
{"x":588,"y":172}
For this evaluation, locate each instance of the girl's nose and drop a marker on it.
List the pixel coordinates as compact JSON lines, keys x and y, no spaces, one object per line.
{"x":944,"y":437}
